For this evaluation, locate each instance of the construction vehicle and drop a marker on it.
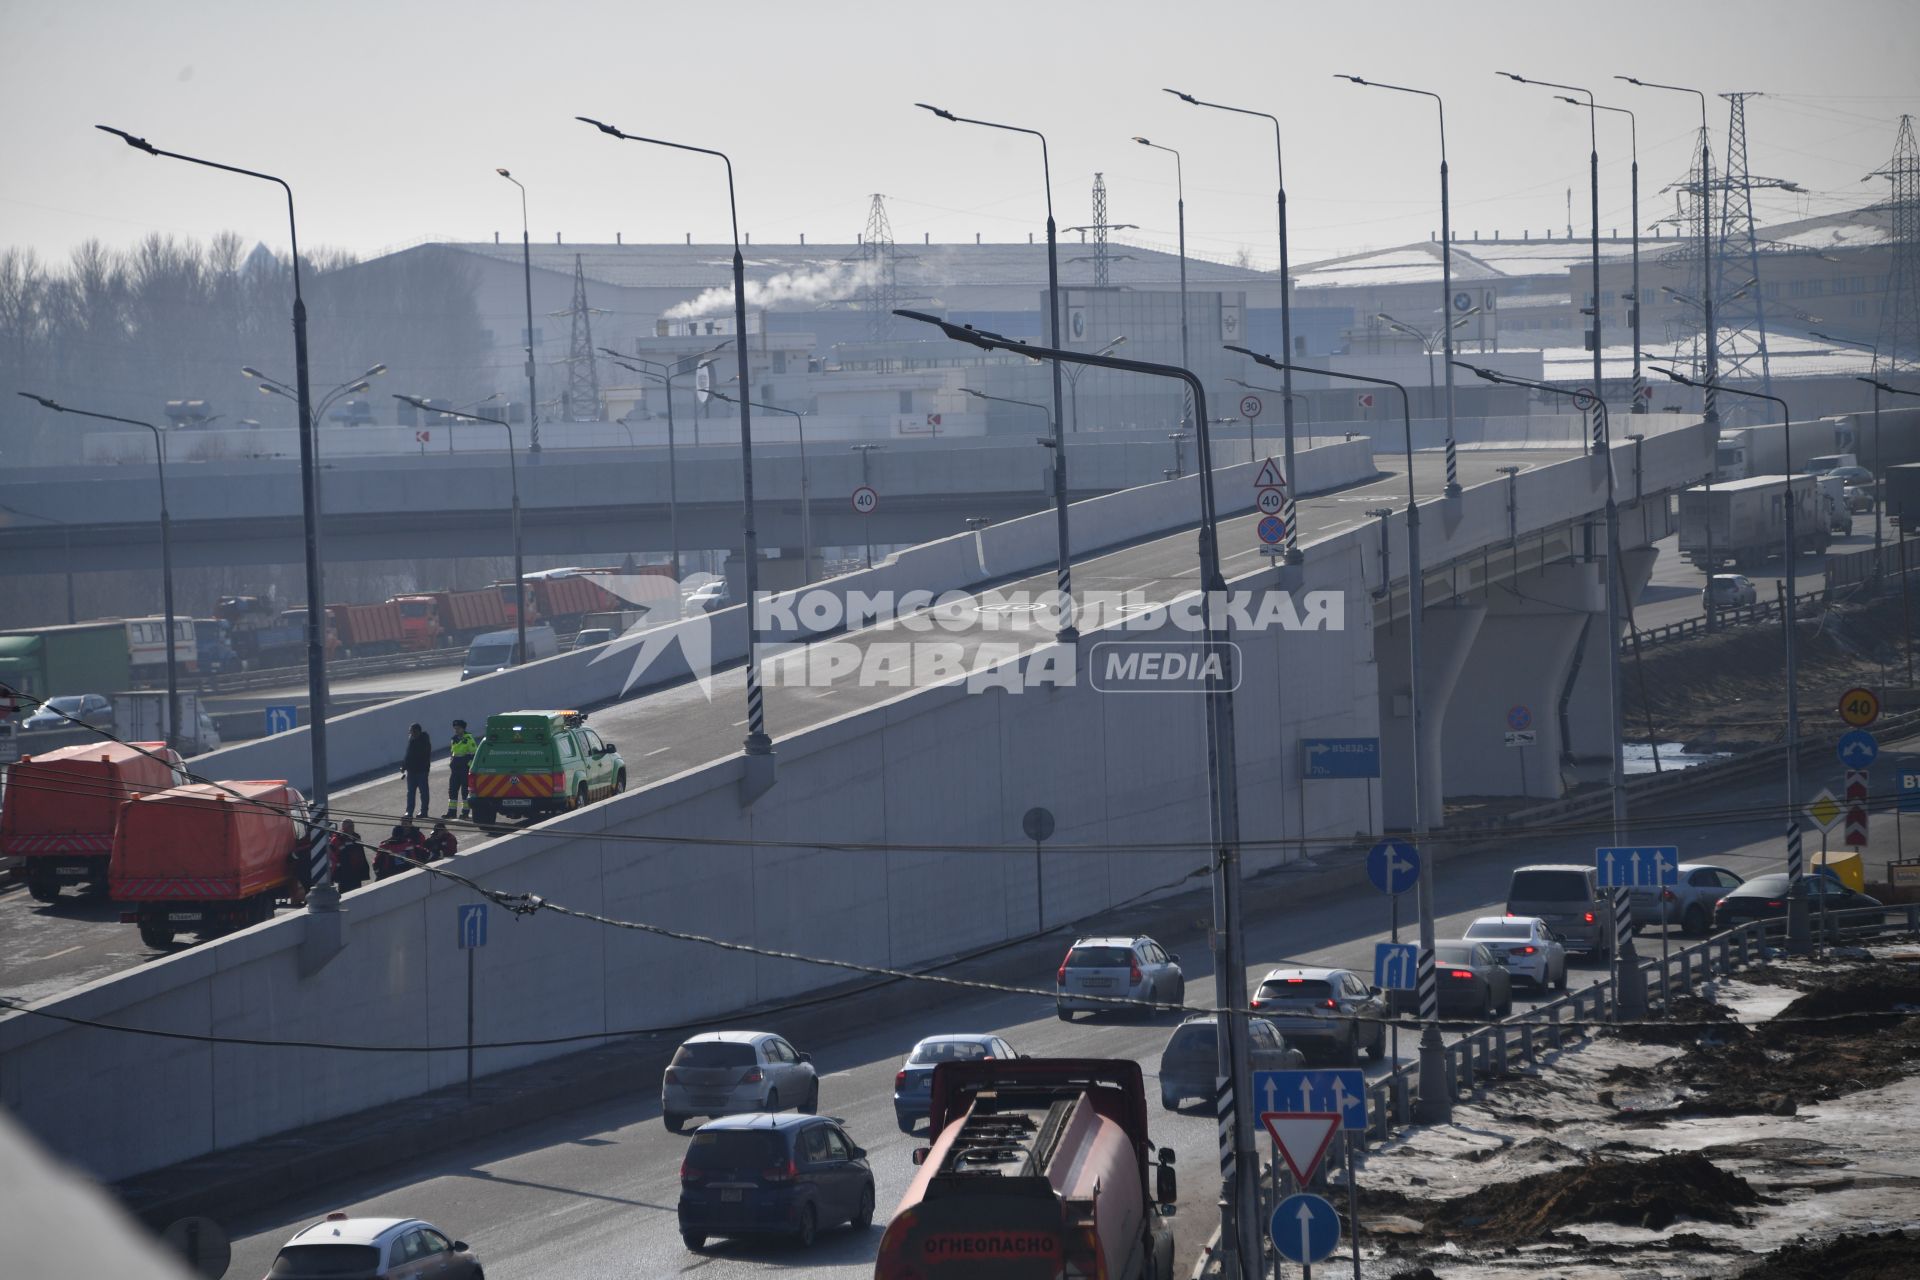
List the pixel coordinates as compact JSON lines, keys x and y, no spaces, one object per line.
{"x":205,"y":858}
{"x":369,"y":630}
{"x":1037,"y":1168}
{"x":62,"y":805}
{"x":449,"y":617}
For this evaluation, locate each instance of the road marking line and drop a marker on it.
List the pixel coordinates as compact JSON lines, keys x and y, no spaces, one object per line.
{"x":656,"y":751}
{"x":56,"y":955}
{"x":738,"y":723}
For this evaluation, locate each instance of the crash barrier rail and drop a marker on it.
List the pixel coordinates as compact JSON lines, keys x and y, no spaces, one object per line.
{"x":1853,"y":567}
{"x":337,"y":669}
{"x":1734,"y":615}
{"x":1491,"y":1051}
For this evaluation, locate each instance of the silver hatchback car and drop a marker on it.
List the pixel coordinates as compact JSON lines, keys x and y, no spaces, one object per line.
{"x":725,"y":1073}
{"x":1098,"y":971}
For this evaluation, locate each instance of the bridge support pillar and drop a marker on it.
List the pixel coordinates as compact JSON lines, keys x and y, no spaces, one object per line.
{"x":1446,"y":639}
{"x":1587,"y":719}
{"x":1503,"y":736}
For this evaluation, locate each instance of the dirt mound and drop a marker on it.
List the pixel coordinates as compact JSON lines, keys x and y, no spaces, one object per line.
{"x":1887,"y":1256}
{"x":1691,"y":1018}
{"x":1773,"y":1067}
{"x":1634,"y":1193}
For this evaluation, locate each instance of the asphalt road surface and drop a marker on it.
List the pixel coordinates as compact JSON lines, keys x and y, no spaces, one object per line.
{"x":592,"y":1193}
{"x":46,"y":949}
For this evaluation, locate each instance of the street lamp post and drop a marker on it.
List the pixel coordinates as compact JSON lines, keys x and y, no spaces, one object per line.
{"x":1446,"y":265}
{"x":1073,"y":380}
{"x":274,"y":387}
{"x":1710,"y":406}
{"x":1436,"y":1102}
{"x":865,"y":451}
{"x":1593,"y":174}
{"x":1797,"y":936}
{"x":757,"y":743}
{"x":1631,"y":997}
{"x":1299,"y":396}
{"x":1180,"y":191}
{"x":526,"y":270}
{"x":1426,"y":338}
{"x":166,"y":551}
{"x":806,"y":486}
{"x":309,"y":493}
{"x":513,"y":476}
{"x":1633,"y":139}
{"x":665,"y":377}
{"x":1292,"y":553}
{"x":1239,"y":1227}
{"x":1067,"y":632}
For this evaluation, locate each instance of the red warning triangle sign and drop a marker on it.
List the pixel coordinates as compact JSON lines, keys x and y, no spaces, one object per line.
{"x":1269,"y":477}
{"x":1302,"y":1137}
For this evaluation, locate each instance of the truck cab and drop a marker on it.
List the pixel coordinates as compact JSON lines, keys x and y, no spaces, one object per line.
{"x":539,"y":763}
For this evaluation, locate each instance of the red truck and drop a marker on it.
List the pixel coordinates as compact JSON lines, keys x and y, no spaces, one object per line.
{"x":1037,"y":1168}
{"x":366,"y":630}
{"x":450,"y":617}
{"x":205,"y":859}
{"x":61,"y":807}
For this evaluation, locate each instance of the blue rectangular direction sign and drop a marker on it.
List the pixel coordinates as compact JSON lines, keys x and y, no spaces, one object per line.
{"x":1395,"y":965}
{"x":1341,"y":1091}
{"x":1632,"y":867}
{"x":1909,"y":778}
{"x":473,"y":925}
{"x":282,"y":717}
{"x":1340,"y":757}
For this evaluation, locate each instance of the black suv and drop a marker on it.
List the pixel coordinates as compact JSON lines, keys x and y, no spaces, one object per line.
{"x":773,"y":1174}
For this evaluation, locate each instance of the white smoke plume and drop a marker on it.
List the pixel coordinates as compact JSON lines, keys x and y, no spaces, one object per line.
{"x":829,"y":283}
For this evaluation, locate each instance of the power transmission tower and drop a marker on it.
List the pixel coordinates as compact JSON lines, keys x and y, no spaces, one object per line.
{"x":880,"y":287}
{"x":1693,"y":218}
{"x":1738,"y":292}
{"x":1101,"y":258}
{"x":583,"y":376}
{"x":1899,"y":342}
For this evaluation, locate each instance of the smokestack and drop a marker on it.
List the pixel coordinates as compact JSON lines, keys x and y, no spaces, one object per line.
{"x":803,"y":237}
{"x":749,"y":237}
{"x":496,"y":237}
{"x":556,"y":237}
{"x":976,"y":237}
{"x":689,"y":237}
{"x":1029,"y":237}
{"x":929,"y":237}
{"x":616,"y":237}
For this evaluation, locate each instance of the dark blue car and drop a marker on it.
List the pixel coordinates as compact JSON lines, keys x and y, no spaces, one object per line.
{"x":913,"y":1083}
{"x":773,"y":1174}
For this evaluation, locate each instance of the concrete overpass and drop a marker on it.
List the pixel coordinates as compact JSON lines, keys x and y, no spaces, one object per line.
{"x":891,"y":833}
{"x":590,"y":501}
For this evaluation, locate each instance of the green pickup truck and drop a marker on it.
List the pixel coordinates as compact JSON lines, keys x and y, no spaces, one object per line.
{"x":539,"y":763}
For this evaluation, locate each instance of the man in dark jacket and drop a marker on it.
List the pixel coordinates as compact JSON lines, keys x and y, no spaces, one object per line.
{"x":442,"y":843}
{"x":414,"y":768}
{"x":349,"y":858}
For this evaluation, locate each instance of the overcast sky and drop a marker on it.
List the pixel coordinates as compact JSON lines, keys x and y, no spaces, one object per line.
{"x":389,"y":118}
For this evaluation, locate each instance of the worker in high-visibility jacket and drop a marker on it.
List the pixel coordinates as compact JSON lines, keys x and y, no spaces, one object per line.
{"x":460,"y":756}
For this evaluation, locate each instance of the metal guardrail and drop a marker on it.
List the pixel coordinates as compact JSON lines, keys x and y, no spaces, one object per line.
{"x":1492,"y":1051}
{"x":339,"y":668}
{"x":1738,"y":615}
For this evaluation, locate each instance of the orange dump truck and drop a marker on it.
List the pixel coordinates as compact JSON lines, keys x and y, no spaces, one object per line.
{"x":367,"y":630}
{"x":61,"y":807}
{"x":1037,"y":1170}
{"x":204,"y":859}
{"x":451,"y":617}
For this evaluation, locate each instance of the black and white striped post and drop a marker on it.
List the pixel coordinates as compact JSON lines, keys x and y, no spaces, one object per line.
{"x":1621,"y":953}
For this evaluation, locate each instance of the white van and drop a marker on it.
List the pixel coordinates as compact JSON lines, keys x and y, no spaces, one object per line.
{"x":493,"y":651}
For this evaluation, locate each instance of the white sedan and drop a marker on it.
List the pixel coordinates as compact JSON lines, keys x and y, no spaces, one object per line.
{"x":1526,"y":946}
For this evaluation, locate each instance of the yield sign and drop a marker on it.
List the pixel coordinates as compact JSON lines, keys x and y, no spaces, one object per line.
{"x":1269,"y":477}
{"x":1302,"y":1138}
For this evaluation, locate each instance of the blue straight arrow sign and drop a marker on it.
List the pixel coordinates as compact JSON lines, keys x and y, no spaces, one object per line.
{"x":1637,"y":866}
{"x":1341,"y":1092}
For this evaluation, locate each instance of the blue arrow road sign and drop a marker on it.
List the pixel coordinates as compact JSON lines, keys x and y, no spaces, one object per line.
{"x":1341,"y":1092}
{"x":1637,"y":867}
{"x":1395,"y":965}
{"x":1858,"y":749}
{"x":1393,"y":866}
{"x":282,"y":717}
{"x":1305,"y":1228}
{"x":473,"y":925}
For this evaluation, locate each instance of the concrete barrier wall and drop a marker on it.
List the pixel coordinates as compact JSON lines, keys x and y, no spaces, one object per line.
{"x":936,"y":781}
{"x":364,"y":742}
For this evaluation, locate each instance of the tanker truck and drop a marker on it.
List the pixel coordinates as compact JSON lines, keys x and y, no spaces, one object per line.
{"x":1037,"y":1168}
